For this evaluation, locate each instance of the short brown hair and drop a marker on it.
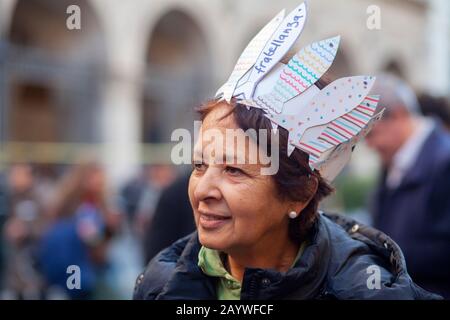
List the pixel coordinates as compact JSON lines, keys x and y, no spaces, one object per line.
{"x":295,"y":180}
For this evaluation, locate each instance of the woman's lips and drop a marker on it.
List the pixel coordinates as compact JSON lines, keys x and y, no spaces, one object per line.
{"x":212,"y":221}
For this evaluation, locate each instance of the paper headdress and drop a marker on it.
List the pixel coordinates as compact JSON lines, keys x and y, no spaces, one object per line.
{"x":325,"y":123}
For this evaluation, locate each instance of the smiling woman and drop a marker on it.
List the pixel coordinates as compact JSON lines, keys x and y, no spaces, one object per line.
{"x":294,"y":187}
{"x":257,"y":220}
{"x":262,"y":236}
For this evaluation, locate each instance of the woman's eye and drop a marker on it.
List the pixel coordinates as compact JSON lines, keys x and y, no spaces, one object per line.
{"x":234,"y":171}
{"x":199,"y":166}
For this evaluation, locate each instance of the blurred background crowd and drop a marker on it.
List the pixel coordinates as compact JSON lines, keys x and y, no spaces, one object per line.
{"x":86,"y":118}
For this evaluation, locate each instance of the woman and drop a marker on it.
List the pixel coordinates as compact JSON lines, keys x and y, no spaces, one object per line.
{"x":249,"y":245}
{"x":82,"y":229}
{"x":261,"y":236}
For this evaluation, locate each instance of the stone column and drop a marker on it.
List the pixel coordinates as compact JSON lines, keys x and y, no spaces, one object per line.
{"x":438,"y":82}
{"x":122,"y":92}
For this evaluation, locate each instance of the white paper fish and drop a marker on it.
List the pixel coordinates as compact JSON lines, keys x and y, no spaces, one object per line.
{"x":335,"y":100}
{"x":332,"y":163}
{"x":280,"y":43}
{"x":339,"y":130}
{"x":249,"y":56}
{"x":303,"y":70}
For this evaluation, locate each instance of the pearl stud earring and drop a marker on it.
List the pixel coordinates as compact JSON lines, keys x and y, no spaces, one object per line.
{"x":293,"y":214}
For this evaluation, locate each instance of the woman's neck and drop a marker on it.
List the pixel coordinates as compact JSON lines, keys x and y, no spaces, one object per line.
{"x":278,"y":254}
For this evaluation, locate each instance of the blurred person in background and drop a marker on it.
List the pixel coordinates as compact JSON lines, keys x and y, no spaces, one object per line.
{"x":3,"y":215}
{"x":412,"y":203}
{"x":158,"y":177}
{"x":46,"y":178}
{"x":172,"y":220}
{"x":83,"y":227}
{"x":438,"y":107}
{"x":23,"y":228}
{"x":130,"y":195}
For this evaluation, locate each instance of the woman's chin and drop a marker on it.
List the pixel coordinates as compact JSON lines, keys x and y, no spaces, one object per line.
{"x":212,"y":242}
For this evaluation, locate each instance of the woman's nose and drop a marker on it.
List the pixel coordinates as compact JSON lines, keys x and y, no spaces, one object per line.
{"x":207,"y":186}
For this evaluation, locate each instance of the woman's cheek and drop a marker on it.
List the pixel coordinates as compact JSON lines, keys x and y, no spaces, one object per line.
{"x":242,"y":206}
{"x":191,"y":192}
{"x":236,"y":195}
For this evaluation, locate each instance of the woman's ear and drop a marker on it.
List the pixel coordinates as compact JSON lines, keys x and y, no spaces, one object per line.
{"x":312,"y":186}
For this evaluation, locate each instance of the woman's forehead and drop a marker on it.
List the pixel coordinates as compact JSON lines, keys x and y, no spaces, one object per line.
{"x":220,"y":117}
{"x":225,"y":144}
{"x":229,"y":146}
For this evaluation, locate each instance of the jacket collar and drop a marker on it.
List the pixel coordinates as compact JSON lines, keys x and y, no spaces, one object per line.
{"x":308,"y":274}
{"x":189,"y":282}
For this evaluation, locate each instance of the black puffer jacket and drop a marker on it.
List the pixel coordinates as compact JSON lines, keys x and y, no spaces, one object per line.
{"x":341,"y":261}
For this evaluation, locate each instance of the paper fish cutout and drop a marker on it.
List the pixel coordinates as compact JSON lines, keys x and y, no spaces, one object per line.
{"x":280,"y":43}
{"x":340,"y":130}
{"x":303,"y":70}
{"x":249,"y":56}
{"x":331,"y":164}
{"x":264,"y":86}
{"x":296,"y":105}
{"x":335,"y":100}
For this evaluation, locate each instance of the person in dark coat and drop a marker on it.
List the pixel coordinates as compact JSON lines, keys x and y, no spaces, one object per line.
{"x":162,"y":231}
{"x":412,"y":201}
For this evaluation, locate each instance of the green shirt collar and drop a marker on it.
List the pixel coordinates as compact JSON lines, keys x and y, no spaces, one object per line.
{"x":228,"y":288}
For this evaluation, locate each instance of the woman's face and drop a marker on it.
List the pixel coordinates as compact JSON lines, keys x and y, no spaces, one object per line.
{"x":235,"y":207}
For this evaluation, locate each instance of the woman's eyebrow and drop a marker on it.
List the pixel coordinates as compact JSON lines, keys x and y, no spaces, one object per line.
{"x":235,"y":159}
{"x":226,"y":158}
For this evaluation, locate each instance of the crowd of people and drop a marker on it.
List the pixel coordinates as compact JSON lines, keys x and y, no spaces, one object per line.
{"x":53,"y":217}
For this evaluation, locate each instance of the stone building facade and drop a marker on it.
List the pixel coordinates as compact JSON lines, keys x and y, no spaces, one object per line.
{"x":136,"y":68}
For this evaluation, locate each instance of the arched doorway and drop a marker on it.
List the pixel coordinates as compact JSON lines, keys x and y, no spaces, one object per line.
{"x":177,"y":78}
{"x":52,"y":73}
